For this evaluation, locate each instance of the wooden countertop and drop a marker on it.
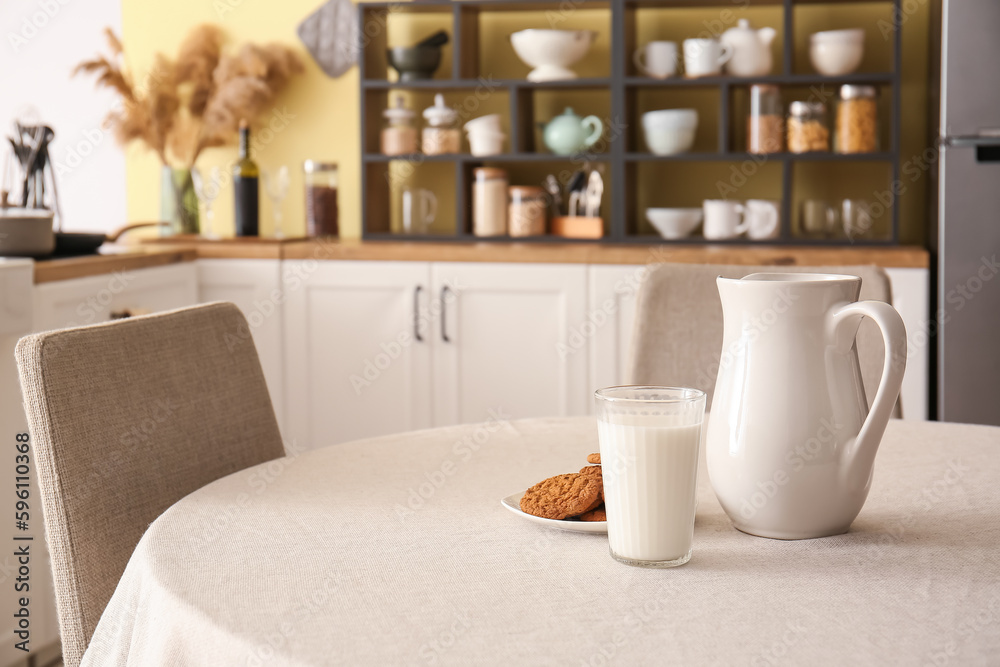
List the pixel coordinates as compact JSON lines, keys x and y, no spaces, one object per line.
{"x":123,"y":259}
{"x":161,"y":252}
{"x":586,"y":253}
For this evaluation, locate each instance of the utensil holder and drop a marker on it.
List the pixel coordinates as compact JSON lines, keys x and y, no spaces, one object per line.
{"x":578,"y":227}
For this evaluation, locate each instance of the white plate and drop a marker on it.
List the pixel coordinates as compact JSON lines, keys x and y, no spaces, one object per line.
{"x":513,"y":503}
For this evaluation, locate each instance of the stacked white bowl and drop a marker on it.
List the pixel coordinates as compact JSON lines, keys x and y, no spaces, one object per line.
{"x":670,"y":131}
{"x":837,"y":52}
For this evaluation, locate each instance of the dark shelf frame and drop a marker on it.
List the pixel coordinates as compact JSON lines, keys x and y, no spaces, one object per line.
{"x":621,"y":85}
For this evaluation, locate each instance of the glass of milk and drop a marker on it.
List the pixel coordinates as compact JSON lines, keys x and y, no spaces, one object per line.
{"x":649,"y":457}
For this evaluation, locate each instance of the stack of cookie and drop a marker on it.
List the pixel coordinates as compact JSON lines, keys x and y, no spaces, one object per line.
{"x":576,"y":495}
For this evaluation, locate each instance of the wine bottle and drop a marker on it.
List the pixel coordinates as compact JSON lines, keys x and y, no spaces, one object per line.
{"x":245,"y":187}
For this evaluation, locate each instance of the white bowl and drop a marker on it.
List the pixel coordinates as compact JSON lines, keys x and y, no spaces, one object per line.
{"x":674,"y":223}
{"x":837,"y":52}
{"x":675,"y":119}
{"x":482,"y":144}
{"x":670,"y":131}
{"x":551,"y":52}
{"x":488,"y":123}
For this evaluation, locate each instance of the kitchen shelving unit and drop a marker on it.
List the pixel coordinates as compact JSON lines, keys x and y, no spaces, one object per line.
{"x":624,"y":156}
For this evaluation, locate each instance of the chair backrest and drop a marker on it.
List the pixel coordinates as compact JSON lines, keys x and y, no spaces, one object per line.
{"x":127,"y":418}
{"x":677,"y":338}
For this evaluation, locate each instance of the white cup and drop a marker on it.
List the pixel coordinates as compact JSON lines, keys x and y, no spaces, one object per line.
{"x":419,"y":210}
{"x":660,"y":59}
{"x":723,"y":219}
{"x":705,"y":57}
{"x":763,"y":218}
{"x":483,"y":143}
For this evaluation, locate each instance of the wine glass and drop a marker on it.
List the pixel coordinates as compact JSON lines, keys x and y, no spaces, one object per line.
{"x":207,"y":192}
{"x":276,"y":186}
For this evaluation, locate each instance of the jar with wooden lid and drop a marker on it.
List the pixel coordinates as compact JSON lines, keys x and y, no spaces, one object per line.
{"x":807,"y":127}
{"x":526,"y":211}
{"x":441,"y":136}
{"x":765,"y":124}
{"x":399,"y":136}
{"x":856,"y":128}
{"x":321,"y":183}
{"x":489,"y":201}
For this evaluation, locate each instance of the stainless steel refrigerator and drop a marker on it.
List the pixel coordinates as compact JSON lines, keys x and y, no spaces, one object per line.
{"x":968,"y":232}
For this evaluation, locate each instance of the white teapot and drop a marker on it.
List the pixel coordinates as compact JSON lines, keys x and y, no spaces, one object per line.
{"x":751,"y":49}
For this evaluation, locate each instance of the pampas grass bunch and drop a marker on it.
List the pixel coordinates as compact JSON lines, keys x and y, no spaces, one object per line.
{"x":196,"y":101}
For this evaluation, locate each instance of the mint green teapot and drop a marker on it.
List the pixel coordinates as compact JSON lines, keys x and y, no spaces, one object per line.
{"x":568,"y":134}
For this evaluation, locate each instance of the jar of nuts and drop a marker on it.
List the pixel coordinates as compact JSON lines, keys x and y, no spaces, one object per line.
{"x":765,"y":124}
{"x":856,"y":128}
{"x":807,"y":128}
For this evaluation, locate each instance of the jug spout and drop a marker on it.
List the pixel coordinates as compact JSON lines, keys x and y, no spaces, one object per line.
{"x":767,"y":35}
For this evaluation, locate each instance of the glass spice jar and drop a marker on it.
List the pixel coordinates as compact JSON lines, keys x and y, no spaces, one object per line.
{"x":399,"y":136}
{"x":765,"y":124}
{"x":321,"y":181}
{"x":526,"y":212}
{"x":489,"y":201}
{"x":807,"y":127}
{"x":442,"y":135}
{"x":857,"y":120}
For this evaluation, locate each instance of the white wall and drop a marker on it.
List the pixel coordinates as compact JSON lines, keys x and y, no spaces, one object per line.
{"x":40,"y":43}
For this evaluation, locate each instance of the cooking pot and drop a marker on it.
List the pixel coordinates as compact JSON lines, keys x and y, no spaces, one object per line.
{"x":26,"y":232}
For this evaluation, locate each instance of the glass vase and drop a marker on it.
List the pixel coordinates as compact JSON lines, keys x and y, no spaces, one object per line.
{"x":178,"y":201}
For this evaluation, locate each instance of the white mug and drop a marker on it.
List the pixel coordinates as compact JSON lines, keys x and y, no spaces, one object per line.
{"x":419,"y":209}
{"x":705,"y":57}
{"x":723,"y":219}
{"x":660,"y":59}
{"x":763,"y":218}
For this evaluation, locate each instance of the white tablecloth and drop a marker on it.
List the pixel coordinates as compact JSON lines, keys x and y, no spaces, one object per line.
{"x":396,"y":551}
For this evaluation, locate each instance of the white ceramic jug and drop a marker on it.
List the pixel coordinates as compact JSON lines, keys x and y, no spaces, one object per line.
{"x":751,"y":49}
{"x":791,"y":442}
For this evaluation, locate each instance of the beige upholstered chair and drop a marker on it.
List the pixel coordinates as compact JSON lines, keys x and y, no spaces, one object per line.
{"x":126,"y":418}
{"x":678,"y":327}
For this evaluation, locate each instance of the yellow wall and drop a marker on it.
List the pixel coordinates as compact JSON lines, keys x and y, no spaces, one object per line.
{"x":326,"y":124}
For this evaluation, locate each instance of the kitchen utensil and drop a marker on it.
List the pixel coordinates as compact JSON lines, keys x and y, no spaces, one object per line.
{"x":837,"y":52}
{"x":569,"y":134}
{"x":554,"y":191}
{"x":438,"y":39}
{"x":330,"y":34}
{"x":595,"y":191}
{"x":415,"y":63}
{"x":26,"y":232}
{"x":551,"y":52}
{"x":657,"y":59}
{"x":670,"y":131}
{"x":791,"y":441}
{"x":574,"y":191}
{"x":419,"y":210}
{"x":79,"y":243}
{"x":674,"y":223}
{"x":705,"y":57}
{"x":723,"y":219}
{"x":763,"y":218}
{"x":751,"y":49}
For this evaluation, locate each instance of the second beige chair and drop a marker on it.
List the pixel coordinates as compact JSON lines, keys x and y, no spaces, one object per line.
{"x":678,"y":327}
{"x":126,"y":419}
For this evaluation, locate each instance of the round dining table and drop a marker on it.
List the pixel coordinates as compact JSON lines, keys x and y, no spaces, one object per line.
{"x":397,"y":551}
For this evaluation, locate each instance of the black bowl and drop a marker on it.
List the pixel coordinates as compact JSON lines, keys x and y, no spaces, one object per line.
{"x":415,"y":63}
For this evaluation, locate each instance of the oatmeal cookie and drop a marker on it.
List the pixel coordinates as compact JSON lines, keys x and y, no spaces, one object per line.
{"x":562,"y":496}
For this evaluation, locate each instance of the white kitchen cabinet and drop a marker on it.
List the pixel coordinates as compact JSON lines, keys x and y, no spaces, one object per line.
{"x":500,"y":340}
{"x":256,"y":287}
{"x":95,"y":299}
{"x":357,"y":360}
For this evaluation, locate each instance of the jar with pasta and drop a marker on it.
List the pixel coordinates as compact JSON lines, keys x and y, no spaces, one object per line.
{"x":807,"y":127}
{"x":765,"y":124}
{"x":857,"y":120}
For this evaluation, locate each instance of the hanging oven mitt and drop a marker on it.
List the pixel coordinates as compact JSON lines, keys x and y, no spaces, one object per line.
{"x":330,"y":34}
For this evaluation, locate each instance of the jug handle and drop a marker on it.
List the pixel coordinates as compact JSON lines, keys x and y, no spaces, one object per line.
{"x":860,"y":456}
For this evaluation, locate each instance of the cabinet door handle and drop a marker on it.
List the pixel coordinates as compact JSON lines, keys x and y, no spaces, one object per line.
{"x":444,"y":309}
{"x":416,"y":313}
